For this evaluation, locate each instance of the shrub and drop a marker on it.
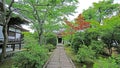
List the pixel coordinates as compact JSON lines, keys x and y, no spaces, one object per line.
{"x":50,"y":47}
{"x":105,"y":63}
{"x":77,"y":41}
{"x":34,"y":57}
{"x":85,"y":54}
{"x":51,"y":39}
{"x":80,"y":38}
{"x":117,"y":58}
{"x":97,"y":46}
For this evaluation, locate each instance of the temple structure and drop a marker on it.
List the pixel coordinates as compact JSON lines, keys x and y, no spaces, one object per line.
{"x":15,"y":29}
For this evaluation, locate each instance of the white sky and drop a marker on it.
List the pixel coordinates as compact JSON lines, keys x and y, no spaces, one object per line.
{"x":83,"y":4}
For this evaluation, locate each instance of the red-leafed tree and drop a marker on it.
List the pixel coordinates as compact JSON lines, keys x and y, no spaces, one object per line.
{"x":80,"y":24}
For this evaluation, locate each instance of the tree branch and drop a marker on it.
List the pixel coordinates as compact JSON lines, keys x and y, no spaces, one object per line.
{"x":10,"y":12}
{"x":11,"y":4}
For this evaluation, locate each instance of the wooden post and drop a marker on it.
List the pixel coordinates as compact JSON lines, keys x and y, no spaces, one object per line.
{"x":20,"y":44}
{"x":13,"y":46}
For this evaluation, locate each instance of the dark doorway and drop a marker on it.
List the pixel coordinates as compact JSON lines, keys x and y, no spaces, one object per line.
{"x":59,"y":40}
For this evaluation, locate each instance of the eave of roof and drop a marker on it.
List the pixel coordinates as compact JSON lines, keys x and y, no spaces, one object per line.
{"x":19,"y":27}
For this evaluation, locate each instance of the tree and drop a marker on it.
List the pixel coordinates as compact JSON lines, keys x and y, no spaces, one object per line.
{"x":81,"y":23}
{"x":43,"y":11}
{"x":6,"y":15}
{"x":110,"y":32}
{"x":34,"y":56}
{"x":101,"y":10}
{"x":78,"y":40}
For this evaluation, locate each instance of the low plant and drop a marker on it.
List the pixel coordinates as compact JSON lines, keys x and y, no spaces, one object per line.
{"x":98,"y":47}
{"x":117,"y":58}
{"x":34,"y":57}
{"x":105,"y":63}
{"x":50,"y":47}
{"x":85,"y":54}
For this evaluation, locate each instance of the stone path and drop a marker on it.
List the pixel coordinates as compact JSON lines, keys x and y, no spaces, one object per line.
{"x":59,"y":59}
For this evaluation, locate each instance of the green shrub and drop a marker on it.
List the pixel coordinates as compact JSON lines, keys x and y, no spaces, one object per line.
{"x":105,"y":63}
{"x":51,"y":39}
{"x":80,"y":38}
{"x":85,"y":54}
{"x":50,"y":47}
{"x":117,"y":58}
{"x":34,"y":57}
{"x":77,"y":41}
{"x":97,"y":46}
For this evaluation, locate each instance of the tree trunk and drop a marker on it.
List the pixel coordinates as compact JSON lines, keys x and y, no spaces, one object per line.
{"x":6,"y":19}
{"x":5,"y":34}
{"x":41,"y":32}
{"x":110,"y":49}
{"x":40,"y":37}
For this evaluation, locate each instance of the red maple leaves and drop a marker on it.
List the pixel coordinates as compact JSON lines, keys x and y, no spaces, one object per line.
{"x":81,"y":23}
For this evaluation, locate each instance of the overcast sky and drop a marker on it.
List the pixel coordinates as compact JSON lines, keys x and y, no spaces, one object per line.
{"x":84,"y":4}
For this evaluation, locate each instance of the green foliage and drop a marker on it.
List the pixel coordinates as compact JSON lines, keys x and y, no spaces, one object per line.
{"x":51,"y":39}
{"x":84,"y":66}
{"x":100,"y":10}
{"x":29,"y":38}
{"x":50,"y":47}
{"x":117,"y":58}
{"x":93,"y":33}
{"x":104,"y":25}
{"x":68,"y":38}
{"x":45,"y":11}
{"x":111,"y":28}
{"x":77,"y":41}
{"x":98,"y":47}
{"x":33,"y":55}
{"x":80,"y":38}
{"x":105,"y":63}
{"x":85,"y":54}
{"x":110,"y":31}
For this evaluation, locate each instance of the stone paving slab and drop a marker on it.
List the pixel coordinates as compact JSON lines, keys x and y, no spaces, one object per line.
{"x":59,"y":59}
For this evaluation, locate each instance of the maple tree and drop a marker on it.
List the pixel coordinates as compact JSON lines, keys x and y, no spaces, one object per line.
{"x":80,"y":22}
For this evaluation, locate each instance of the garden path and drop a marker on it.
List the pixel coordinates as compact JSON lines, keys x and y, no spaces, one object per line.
{"x":59,"y":59}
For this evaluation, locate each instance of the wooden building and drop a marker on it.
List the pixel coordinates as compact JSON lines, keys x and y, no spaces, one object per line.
{"x":15,"y":36}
